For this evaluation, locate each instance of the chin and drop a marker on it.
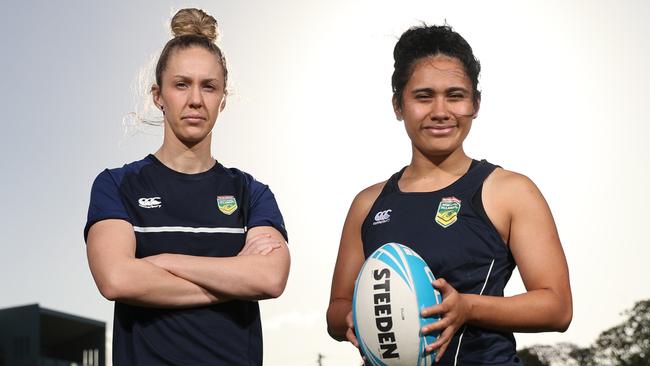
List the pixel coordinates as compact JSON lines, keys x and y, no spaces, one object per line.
{"x":193,"y":135}
{"x":191,"y":139}
{"x":438,"y":151}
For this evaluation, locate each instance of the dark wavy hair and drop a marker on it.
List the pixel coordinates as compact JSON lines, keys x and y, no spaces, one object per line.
{"x":425,"y":41}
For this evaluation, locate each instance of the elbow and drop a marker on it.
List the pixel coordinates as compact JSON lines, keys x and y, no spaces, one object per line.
{"x":113,"y":287}
{"x":270,"y":288}
{"x":563,"y":315}
{"x":110,"y":292}
{"x":275,"y":282}
{"x":275,"y":287}
{"x":564,"y":320}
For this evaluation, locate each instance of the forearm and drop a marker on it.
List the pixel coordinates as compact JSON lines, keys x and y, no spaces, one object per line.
{"x":122,"y":277}
{"x":251,"y":277}
{"x":137,"y":282}
{"x":336,"y":323}
{"x":534,"y":311}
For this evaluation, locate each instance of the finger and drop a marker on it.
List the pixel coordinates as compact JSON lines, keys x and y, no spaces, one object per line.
{"x":267,"y":250}
{"x":257,"y":238}
{"x":436,"y":326}
{"x":267,"y":247}
{"x":250,"y":242}
{"x":349,"y":334}
{"x":440,"y":283}
{"x":441,"y":351}
{"x":433,"y":310}
{"x":264,"y":242}
{"x":444,"y":338}
{"x":258,"y":245}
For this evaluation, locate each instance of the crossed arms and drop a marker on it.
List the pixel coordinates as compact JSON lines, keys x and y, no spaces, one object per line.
{"x":258,"y":272}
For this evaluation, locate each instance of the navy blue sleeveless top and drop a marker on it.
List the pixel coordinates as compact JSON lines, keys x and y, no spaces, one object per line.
{"x":451,"y":231}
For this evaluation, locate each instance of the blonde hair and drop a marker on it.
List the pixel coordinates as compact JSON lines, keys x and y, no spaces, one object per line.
{"x":194,"y":21}
{"x":190,"y":27}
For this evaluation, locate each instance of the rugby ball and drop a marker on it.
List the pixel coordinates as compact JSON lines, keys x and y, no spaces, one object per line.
{"x":392,"y":288}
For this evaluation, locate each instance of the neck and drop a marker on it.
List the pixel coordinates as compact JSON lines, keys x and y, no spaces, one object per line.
{"x":455,"y":163}
{"x":429,"y":173}
{"x":186,"y":158}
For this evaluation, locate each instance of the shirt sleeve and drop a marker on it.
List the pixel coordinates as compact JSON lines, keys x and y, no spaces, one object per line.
{"x":264,"y":210}
{"x":105,"y":202}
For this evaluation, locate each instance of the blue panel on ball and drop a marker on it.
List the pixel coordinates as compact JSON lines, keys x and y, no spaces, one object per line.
{"x":388,"y":254}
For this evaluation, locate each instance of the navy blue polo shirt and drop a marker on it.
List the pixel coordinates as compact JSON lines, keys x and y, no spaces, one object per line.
{"x":204,"y":214}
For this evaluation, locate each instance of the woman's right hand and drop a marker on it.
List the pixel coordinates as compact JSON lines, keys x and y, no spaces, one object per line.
{"x":349,"y":333}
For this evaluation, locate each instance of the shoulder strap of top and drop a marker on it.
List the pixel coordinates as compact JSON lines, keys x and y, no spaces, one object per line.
{"x":478,"y":171}
{"x":481,"y":169}
{"x":391,"y":185}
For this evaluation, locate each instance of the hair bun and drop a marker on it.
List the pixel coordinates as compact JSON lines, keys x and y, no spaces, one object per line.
{"x":195,"y":22}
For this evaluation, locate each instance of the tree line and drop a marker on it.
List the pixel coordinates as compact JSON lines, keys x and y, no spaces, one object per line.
{"x":626,"y":344}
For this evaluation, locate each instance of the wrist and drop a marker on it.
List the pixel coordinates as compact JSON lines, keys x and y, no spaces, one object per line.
{"x":470,"y":305}
{"x":174,"y":263}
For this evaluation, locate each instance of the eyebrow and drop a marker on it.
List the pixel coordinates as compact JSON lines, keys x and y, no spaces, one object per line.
{"x":185,"y":77}
{"x":448,"y":90}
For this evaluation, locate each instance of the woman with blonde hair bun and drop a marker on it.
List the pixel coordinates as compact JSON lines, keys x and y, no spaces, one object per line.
{"x":183,"y":245}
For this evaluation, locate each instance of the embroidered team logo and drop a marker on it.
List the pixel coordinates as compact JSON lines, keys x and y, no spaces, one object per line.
{"x":149,"y":202}
{"x":227,"y":204}
{"x":382,"y":217}
{"x":448,"y":211}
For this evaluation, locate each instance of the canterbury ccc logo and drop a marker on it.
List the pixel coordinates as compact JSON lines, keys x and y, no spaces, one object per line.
{"x":382,"y":217}
{"x":151,"y":202}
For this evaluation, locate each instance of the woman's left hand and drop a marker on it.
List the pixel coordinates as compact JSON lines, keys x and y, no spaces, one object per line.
{"x":453,"y":311}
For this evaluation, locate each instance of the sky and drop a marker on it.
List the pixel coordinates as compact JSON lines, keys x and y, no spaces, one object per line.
{"x":564,"y":101}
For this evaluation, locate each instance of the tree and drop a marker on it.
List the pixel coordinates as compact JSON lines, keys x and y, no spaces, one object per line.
{"x":543,"y":355}
{"x":627,"y":344}
{"x":533,"y":356}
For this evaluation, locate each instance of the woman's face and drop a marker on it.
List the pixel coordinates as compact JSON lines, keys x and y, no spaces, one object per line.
{"x":437,"y":105}
{"x":191,"y":95}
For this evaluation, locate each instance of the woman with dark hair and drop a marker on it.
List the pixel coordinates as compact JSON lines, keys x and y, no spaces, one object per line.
{"x":471,"y":221}
{"x":183,"y":245}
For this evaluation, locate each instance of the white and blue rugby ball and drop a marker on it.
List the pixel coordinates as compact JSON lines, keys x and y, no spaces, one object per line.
{"x":392,"y":288}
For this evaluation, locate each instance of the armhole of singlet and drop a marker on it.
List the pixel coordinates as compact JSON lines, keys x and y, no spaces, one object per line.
{"x":389,"y":187}
{"x":477,"y":204}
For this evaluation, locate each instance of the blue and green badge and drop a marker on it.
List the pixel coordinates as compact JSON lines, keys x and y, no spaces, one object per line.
{"x":227,"y":204}
{"x":448,"y":211}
